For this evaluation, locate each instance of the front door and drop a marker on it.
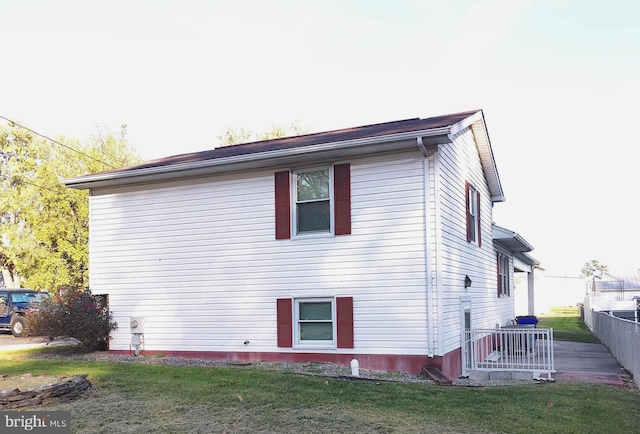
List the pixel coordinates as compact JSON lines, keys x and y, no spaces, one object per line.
{"x":465,"y":320}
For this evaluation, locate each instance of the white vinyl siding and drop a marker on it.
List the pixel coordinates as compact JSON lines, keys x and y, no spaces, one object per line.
{"x":458,"y":163}
{"x":198,"y":259}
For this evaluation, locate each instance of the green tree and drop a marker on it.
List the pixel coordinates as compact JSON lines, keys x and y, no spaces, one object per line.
{"x":234,"y":136}
{"x":593,"y":268}
{"x":43,"y":224}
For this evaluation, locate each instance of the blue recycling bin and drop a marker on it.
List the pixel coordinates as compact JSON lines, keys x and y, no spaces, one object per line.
{"x":527,"y":319}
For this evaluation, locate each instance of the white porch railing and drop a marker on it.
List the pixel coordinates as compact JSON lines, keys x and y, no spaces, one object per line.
{"x":510,"y":349}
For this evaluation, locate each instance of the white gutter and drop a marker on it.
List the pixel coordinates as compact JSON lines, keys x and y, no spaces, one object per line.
{"x":158,"y":171}
{"x":427,"y":256}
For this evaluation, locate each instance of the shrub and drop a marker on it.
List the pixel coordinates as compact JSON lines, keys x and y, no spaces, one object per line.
{"x":73,"y":314}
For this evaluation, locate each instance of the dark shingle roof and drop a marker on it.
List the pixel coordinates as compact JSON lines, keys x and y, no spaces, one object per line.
{"x":325,"y":146}
{"x":367,"y":131}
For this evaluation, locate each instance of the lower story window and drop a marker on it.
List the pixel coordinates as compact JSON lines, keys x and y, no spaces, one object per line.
{"x":315,"y":321}
{"x":321,"y":322}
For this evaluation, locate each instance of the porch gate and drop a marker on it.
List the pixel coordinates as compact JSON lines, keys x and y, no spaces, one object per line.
{"x":510,"y":349}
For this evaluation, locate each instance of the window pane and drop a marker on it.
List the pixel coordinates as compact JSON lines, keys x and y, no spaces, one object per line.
{"x":314,"y":216}
{"x":473,"y":205}
{"x":313,"y":185}
{"x":315,"y":311}
{"x":314,"y":331}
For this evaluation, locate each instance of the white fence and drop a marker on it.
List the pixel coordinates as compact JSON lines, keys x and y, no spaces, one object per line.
{"x":620,"y":336}
{"x":510,"y":349}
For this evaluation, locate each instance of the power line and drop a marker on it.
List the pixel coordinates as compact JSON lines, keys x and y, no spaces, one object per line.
{"x":31,"y":183}
{"x":56,"y":142}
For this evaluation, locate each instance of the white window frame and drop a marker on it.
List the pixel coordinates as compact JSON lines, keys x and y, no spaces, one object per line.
{"x":294,"y":204}
{"x":473,"y":211}
{"x":309,"y":344}
{"x":504,"y":274}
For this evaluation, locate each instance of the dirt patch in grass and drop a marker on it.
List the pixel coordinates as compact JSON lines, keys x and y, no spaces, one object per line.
{"x":27,"y":381}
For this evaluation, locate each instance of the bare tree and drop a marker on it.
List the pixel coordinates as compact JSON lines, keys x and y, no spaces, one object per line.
{"x":235,"y":136}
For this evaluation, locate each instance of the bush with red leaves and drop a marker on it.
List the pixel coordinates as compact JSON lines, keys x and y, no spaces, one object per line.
{"x":73,"y":314}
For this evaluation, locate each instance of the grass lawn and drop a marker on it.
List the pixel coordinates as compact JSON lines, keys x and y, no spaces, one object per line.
{"x":143,"y":398}
{"x":567,"y":325}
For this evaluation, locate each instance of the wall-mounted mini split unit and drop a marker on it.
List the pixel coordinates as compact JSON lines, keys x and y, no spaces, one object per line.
{"x":137,"y":324}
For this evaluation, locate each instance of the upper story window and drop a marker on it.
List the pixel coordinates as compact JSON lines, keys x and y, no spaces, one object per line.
{"x":503,"y":275}
{"x":473,"y":214}
{"x":312,"y":201}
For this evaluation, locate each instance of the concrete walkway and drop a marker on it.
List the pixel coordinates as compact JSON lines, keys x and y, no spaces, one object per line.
{"x":587,"y":362}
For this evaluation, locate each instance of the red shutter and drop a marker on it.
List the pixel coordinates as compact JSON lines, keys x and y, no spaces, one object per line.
{"x":344,"y":313}
{"x":285,"y":322}
{"x":283,"y":213}
{"x":342,"y":198}
{"x":468,"y":214}
{"x":479,"y":237}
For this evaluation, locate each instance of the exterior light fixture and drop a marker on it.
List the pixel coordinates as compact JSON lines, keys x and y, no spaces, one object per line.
{"x":467,"y":281}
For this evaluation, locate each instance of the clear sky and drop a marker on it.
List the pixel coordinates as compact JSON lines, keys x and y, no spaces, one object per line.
{"x":558,"y":82}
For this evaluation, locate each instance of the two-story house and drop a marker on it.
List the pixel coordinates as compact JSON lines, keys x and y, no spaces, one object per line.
{"x":374,"y":243}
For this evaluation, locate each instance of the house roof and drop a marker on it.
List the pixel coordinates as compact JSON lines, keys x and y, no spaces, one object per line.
{"x":628,"y":280}
{"x":344,"y":143}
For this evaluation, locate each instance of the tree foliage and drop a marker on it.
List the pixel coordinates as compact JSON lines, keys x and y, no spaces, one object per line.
{"x":43,"y":224}
{"x":234,"y":136}
{"x":593,"y":268}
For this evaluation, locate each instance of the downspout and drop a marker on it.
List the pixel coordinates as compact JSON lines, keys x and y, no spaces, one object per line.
{"x":427,"y":255}
{"x":438,"y":239}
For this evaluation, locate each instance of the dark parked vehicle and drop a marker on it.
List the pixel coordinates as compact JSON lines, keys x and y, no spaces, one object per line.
{"x":14,"y":305}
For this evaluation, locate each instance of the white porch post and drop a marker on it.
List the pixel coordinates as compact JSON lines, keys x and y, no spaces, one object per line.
{"x":531,"y":304}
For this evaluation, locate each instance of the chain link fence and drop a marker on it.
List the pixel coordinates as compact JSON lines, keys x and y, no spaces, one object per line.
{"x":620,"y":336}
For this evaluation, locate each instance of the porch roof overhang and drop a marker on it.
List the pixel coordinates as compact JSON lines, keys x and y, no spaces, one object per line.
{"x":514,"y":243}
{"x":326,"y":146}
